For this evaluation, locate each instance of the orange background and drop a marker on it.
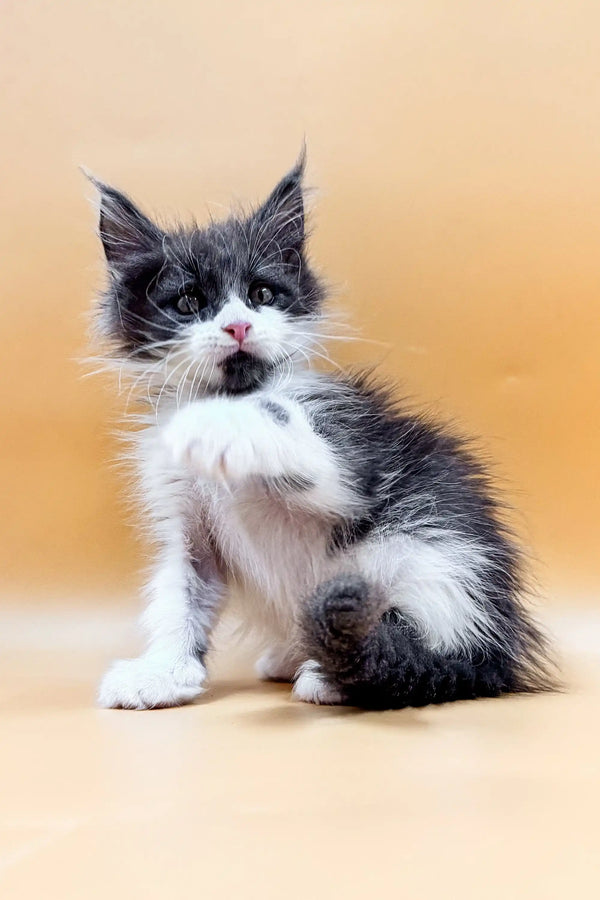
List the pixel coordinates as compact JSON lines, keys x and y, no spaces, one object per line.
{"x":457,"y":148}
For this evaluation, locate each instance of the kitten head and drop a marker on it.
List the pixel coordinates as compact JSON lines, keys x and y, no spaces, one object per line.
{"x":215,"y":308}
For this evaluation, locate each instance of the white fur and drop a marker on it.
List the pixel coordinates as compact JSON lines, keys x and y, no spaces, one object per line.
{"x":153,"y":680}
{"x":434,"y":582}
{"x":279,"y":663}
{"x":311,"y":687}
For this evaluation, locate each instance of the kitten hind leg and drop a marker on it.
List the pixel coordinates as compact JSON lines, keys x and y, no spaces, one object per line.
{"x":339,"y":615}
{"x":375,"y":657}
{"x":278,"y":663}
{"x":312,"y":686}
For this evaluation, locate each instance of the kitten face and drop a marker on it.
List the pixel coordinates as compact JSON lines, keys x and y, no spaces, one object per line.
{"x":214,"y":308}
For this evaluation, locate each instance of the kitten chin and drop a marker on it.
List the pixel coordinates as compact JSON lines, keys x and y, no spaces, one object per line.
{"x":244,"y":372}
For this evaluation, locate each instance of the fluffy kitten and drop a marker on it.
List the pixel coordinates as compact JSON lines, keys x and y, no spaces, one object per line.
{"x":362,"y":542}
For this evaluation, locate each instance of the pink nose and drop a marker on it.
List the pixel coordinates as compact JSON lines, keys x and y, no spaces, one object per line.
{"x":238,"y":330}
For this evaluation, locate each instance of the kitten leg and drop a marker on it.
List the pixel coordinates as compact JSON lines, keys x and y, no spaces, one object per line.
{"x":278,"y":663}
{"x":186,"y":596}
{"x":377,"y":658}
{"x":311,"y":686}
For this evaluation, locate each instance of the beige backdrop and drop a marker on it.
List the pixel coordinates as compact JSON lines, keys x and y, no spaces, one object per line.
{"x":457,"y":148}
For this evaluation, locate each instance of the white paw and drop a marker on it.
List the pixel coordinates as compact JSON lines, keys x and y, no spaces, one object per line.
{"x":221,"y":440}
{"x":311,"y":687}
{"x":276,"y":664}
{"x":150,"y":683}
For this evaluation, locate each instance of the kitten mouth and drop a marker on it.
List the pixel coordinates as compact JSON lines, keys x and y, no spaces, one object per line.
{"x":226,"y":353}
{"x":237,"y":353}
{"x":243,"y":371}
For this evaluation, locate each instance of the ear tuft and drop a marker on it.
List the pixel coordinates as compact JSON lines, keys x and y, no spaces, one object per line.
{"x":283,"y":211}
{"x":124,"y":230}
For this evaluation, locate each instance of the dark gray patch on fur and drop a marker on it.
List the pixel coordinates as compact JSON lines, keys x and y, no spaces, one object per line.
{"x":205,"y":587}
{"x":277,"y":412}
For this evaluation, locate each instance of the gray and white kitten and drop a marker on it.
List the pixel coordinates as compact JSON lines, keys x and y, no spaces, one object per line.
{"x":362,"y":542}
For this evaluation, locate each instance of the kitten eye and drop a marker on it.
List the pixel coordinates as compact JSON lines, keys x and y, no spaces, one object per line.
{"x":187,"y":305}
{"x":260,"y":294}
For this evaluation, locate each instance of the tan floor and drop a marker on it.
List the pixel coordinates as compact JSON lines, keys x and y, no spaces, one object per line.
{"x":249,"y":794}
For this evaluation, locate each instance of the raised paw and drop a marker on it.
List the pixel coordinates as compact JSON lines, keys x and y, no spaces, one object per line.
{"x":220,"y":440}
{"x":151,"y":683}
{"x":312,"y":687}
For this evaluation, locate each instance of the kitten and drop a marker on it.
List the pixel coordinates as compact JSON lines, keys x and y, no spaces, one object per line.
{"x":363,"y":543}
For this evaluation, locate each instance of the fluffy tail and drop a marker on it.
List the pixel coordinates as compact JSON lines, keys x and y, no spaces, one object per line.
{"x":377,"y":659}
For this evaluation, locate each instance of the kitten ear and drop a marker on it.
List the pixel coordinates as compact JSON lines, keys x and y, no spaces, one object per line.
{"x":123,"y":229}
{"x":283,"y":211}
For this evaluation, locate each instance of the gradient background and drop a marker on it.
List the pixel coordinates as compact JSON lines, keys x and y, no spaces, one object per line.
{"x":457,"y":149}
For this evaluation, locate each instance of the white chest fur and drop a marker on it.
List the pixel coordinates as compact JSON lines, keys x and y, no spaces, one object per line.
{"x":275,"y":553}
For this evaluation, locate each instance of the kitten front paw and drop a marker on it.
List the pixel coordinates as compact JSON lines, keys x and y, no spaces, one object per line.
{"x":312,"y":687}
{"x":147,"y":683}
{"x":220,"y":440}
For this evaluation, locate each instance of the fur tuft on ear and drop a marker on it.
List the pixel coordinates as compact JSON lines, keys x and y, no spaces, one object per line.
{"x":124,"y":230}
{"x":282,"y":213}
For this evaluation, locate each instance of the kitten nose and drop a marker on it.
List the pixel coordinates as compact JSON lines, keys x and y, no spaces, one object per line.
{"x":237,"y":330}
